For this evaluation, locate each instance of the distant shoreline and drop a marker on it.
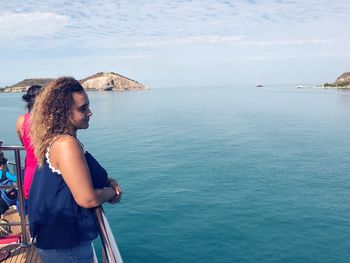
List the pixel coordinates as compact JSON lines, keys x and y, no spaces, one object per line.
{"x":331,"y":87}
{"x":104,"y":81}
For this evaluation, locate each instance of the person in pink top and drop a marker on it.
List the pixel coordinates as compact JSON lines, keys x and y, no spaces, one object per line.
{"x":23,"y":129}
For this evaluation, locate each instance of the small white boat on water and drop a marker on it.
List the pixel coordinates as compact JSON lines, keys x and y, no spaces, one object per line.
{"x":259,"y":84}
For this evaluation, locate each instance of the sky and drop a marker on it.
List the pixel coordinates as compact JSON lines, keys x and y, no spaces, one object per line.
{"x":176,"y":42}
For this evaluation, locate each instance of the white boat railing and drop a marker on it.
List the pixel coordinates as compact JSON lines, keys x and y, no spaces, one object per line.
{"x":110,"y":251}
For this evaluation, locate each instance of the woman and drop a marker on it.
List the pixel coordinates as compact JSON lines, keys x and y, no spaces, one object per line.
{"x":23,"y":130}
{"x":68,"y":181}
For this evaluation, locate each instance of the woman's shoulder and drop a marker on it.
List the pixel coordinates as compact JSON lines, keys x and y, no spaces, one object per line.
{"x":20,"y":121}
{"x":21,"y":117}
{"x":65,"y":145}
{"x":63,"y":149}
{"x":63,"y":141}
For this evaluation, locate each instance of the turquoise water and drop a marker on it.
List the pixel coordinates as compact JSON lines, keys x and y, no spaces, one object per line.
{"x":222,"y":174}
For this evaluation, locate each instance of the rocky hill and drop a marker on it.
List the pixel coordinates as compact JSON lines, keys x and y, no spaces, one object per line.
{"x":110,"y":81}
{"x":342,"y":81}
{"x":25,"y":84}
{"x":98,"y":81}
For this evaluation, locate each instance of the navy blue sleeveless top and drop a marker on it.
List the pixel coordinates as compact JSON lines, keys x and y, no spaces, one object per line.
{"x":56,"y":221}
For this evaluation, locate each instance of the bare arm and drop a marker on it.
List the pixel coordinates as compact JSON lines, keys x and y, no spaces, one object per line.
{"x":67,"y":155}
{"x":19,"y":125}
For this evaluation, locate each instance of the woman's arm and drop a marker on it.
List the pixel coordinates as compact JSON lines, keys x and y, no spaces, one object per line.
{"x":67,"y":155}
{"x":19,"y":125}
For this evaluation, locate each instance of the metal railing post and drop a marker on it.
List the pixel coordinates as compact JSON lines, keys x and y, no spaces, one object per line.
{"x":19,"y":175}
{"x":20,"y":197}
{"x":109,"y":245}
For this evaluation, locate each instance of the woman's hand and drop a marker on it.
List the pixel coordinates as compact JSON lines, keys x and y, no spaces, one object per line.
{"x":118,"y":190}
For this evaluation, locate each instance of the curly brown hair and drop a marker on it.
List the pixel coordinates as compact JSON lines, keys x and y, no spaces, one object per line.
{"x":50,"y":115}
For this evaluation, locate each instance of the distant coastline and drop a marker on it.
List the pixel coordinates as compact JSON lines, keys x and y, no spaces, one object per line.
{"x":342,"y":82}
{"x":331,"y":87}
{"x":101,"y":81}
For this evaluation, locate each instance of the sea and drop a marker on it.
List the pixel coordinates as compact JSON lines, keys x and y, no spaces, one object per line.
{"x":222,"y":174}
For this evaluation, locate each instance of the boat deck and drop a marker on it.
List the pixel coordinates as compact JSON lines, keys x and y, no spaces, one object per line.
{"x":18,"y":254}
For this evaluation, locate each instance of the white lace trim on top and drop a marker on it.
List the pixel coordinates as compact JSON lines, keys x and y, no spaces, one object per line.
{"x":47,"y":155}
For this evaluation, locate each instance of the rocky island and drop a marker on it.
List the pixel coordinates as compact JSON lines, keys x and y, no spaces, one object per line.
{"x":100,"y":81}
{"x":342,"y":82}
{"x":110,"y":81}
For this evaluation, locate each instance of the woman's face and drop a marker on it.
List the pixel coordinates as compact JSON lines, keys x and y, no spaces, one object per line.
{"x":80,"y":112}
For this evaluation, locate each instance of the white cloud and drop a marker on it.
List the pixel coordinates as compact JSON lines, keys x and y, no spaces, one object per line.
{"x":288,"y":57}
{"x":34,"y":24}
{"x":289,"y":42}
{"x":106,"y":58}
{"x":230,"y":40}
{"x":190,"y":40}
{"x":109,"y":23}
{"x":124,"y":32}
